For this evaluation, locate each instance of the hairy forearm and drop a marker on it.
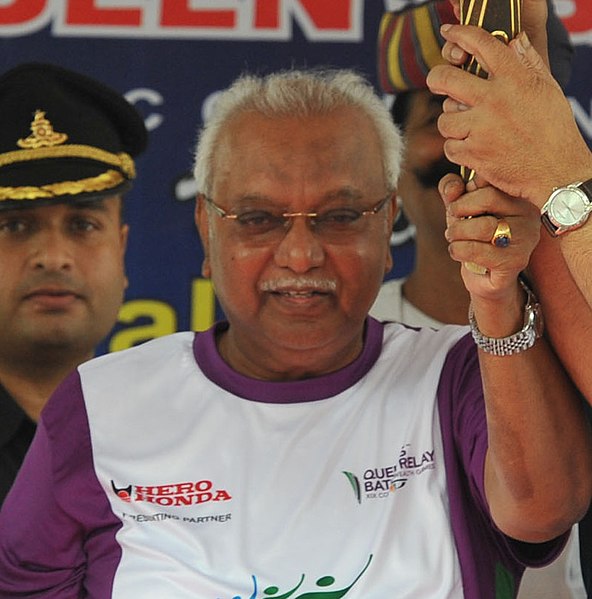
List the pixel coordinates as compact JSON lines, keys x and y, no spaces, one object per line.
{"x":568,"y":315}
{"x":576,"y":248}
{"x":538,"y":474}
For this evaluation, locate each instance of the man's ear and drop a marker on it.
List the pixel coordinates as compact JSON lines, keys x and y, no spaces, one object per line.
{"x":123,"y":237}
{"x":203,"y":228}
{"x":392,"y":209}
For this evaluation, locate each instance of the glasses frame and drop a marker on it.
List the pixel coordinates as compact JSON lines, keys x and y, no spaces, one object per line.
{"x":291,"y":215}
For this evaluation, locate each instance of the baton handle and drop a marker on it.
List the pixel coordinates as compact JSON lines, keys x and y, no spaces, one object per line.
{"x":502,"y":18}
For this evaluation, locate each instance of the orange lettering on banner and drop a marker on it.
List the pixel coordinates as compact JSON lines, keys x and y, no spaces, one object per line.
{"x":176,"y":13}
{"x":579,"y":16}
{"x":21,"y":11}
{"x":84,"y":12}
{"x":329,"y":14}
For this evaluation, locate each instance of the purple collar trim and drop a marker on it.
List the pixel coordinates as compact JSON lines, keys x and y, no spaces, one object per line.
{"x":313,"y":389}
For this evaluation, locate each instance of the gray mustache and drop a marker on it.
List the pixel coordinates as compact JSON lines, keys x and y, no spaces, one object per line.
{"x":299,"y":284}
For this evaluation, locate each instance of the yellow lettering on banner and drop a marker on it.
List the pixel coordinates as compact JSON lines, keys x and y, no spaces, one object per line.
{"x":203,"y":304}
{"x":164,"y":322}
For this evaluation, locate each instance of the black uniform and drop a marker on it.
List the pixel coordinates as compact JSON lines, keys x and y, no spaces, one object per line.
{"x":16,"y":434}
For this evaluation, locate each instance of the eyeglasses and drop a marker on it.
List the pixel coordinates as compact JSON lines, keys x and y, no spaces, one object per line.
{"x":333,"y":224}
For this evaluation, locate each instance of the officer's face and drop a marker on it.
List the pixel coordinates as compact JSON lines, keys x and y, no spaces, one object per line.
{"x":63,"y":278}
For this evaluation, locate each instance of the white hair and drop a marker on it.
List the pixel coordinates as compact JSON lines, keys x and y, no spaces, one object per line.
{"x":298,"y":93}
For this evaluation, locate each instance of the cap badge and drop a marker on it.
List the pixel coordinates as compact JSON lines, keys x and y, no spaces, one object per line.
{"x":42,"y":134}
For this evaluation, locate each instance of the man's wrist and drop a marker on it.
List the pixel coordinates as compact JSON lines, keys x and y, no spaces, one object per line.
{"x":499,"y":317}
{"x":568,"y":208}
{"x":522,"y":339}
{"x":577,"y":167}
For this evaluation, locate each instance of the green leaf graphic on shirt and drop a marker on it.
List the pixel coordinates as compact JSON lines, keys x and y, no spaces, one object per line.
{"x":324,"y":581}
{"x":328,"y":581}
{"x":355,"y":483}
{"x":505,"y":586}
{"x":269,"y":591}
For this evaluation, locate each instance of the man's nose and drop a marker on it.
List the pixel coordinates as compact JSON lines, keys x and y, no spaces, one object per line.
{"x":300,"y":249}
{"x":52,"y":250}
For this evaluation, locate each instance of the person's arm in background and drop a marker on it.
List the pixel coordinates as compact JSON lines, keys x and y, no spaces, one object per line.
{"x":529,"y":400}
{"x":568,"y":315}
{"x":518,"y":132}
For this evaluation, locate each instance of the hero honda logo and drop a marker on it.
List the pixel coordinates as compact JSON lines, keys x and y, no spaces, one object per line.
{"x":174,"y":494}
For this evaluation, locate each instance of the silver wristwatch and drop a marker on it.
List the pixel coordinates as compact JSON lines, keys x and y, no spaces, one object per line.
{"x":567,"y":208}
{"x":524,"y":339}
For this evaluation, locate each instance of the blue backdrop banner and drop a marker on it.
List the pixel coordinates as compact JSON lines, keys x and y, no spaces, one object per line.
{"x":170,"y":58}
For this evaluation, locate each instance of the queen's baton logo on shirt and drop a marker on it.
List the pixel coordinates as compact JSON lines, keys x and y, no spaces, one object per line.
{"x":173,"y":494}
{"x":381,"y":482}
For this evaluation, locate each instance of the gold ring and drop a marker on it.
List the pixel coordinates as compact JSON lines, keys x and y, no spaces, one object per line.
{"x":502,"y":235}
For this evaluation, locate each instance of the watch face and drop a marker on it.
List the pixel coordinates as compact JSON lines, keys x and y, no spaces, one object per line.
{"x":568,"y":207}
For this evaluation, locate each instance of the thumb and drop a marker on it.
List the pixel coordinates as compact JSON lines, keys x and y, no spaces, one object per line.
{"x":451,"y":187}
{"x":527,"y":54}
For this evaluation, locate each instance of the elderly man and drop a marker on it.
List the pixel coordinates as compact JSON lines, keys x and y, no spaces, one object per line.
{"x":301,"y":447}
{"x":66,"y":147}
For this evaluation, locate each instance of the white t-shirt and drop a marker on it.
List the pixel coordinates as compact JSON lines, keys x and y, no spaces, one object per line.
{"x":391,"y":305}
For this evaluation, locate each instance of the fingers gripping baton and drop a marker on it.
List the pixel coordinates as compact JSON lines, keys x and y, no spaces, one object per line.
{"x":502,"y":18}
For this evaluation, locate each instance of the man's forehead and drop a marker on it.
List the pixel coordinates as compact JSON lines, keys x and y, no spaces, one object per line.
{"x":342,"y":194}
{"x":422,"y":109}
{"x":76,"y":205}
{"x":426,"y":100}
{"x":285,"y":146}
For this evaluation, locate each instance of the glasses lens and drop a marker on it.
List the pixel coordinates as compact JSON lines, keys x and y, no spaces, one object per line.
{"x":338,"y":222}
{"x":259,"y":222}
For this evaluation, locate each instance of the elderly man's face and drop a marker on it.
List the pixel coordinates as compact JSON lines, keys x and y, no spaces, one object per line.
{"x":296,"y":299}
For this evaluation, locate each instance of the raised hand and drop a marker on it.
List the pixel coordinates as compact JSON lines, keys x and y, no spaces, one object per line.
{"x":516,"y":129}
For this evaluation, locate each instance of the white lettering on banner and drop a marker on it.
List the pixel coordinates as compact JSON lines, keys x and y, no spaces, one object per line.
{"x":577,"y":18}
{"x":152,"y":97}
{"x":326,"y":20}
{"x":583,"y":118}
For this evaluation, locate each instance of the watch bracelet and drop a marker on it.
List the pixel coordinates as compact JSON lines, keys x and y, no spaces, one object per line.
{"x":516,"y":343}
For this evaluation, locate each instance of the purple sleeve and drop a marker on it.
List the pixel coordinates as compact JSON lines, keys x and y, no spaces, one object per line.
{"x":482,"y":547}
{"x":56,"y":526}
